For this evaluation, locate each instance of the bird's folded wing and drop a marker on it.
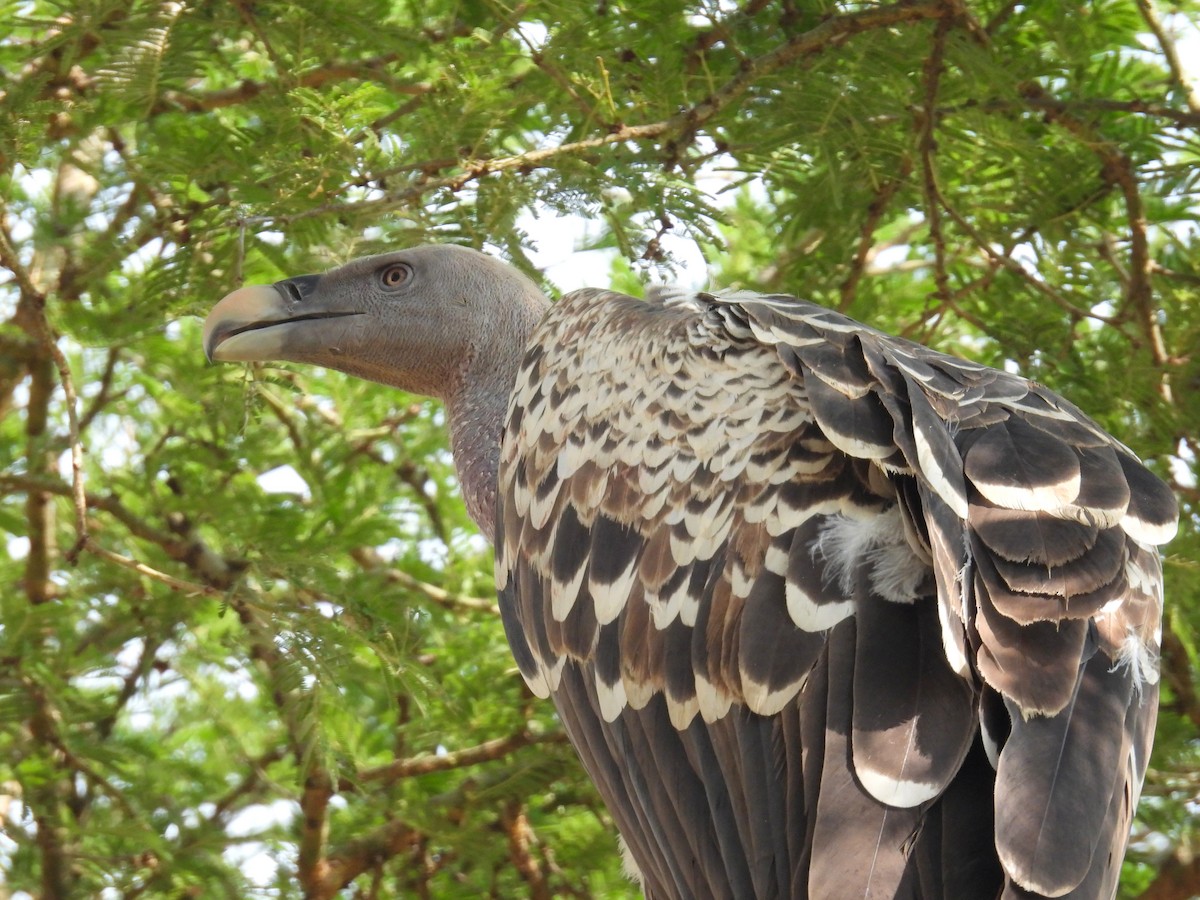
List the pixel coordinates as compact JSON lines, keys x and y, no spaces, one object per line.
{"x":719,"y":508}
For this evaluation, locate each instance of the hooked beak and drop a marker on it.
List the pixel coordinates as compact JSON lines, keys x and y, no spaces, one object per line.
{"x":252,"y":324}
{"x":237,"y":329}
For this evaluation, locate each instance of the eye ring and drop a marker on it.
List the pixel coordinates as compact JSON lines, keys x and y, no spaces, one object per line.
{"x":395,"y":276}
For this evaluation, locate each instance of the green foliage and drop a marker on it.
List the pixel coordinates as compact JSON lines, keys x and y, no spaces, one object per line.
{"x":244,"y":684}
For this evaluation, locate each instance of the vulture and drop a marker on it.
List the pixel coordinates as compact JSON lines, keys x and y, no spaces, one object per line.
{"x":825,"y":613}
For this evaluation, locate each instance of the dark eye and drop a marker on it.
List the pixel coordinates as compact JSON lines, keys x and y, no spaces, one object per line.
{"x":395,"y":276}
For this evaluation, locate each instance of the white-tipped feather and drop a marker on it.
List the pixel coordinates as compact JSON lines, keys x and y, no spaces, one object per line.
{"x":563,"y":594}
{"x":938,"y":480}
{"x":541,"y":507}
{"x":714,"y":705}
{"x":637,"y":693}
{"x":539,"y":684}
{"x":741,"y":582}
{"x":953,"y":640}
{"x":689,"y":609}
{"x":776,"y":560}
{"x":651,"y":479}
{"x":611,"y":697}
{"x":812,"y":616}
{"x":663,"y":610}
{"x":554,"y":673}
{"x":895,"y":791}
{"x":764,"y":700}
{"x":1148,"y":532}
{"x":573,"y":455}
{"x":681,"y":712}
{"x":854,"y":446}
{"x":682,"y":551}
{"x":609,"y":599}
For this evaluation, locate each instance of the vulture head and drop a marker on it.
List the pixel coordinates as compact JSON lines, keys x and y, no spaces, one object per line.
{"x":418,"y":319}
{"x":442,"y":321}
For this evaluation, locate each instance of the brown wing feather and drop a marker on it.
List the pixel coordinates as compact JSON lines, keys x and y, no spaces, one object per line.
{"x":775,"y":568}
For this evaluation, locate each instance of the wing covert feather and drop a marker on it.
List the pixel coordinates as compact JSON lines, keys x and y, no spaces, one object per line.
{"x":776,"y":568}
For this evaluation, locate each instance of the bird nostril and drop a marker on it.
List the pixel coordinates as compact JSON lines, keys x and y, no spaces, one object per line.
{"x":298,"y":289}
{"x":293,"y":291}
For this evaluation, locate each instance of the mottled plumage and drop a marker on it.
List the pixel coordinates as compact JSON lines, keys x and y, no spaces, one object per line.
{"x":825,"y":613}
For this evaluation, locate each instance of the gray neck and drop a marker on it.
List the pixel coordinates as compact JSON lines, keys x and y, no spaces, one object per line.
{"x":476,"y":423}
{"x":477,"y":411}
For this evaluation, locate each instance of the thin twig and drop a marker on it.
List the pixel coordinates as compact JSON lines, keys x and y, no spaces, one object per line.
{"x":78,"y":489}
{"x":189,"y":588}
{"x":830,"y":33}
{"x":1171,"y":54}
{"x":1001,"y":16}
{"x":216,"y":571}
{"x":455,"y":759}
{"x":247,"y":89}
{"x":1017,"y":269}
{"x":283,"y":414}
{"x":129,"y":685}
{"x":549,"y":68}
{"x":866,"y":246}
{"x":927,"y":146}
{"x":255,"y":769}
{"x":370,"y":561}
{"x":9,"y":259}
{"x":100,"y":400}
{"x":1178,"y":117}
{"x":1119,"y":170}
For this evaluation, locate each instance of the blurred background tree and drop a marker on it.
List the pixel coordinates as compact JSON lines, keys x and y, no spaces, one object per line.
{"x":248,"y":643}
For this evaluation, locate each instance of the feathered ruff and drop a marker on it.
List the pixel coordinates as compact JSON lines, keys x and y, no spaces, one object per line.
{"x":827,"y":613}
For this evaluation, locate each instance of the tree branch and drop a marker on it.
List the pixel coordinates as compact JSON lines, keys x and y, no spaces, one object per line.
{"x":520,"y":836}
{"x":926,"y":147}
{"x":284,"y":415}
{"x":830,"y":33}
{"x":866,"y":246}
{"x":180,"y":544}
{"x":129,"y":685}
{"x":1177,"y":672}
{"x":39,"y":510}
{"x":1097,"y":104}
{"x":356,"y":857}
{"x":1119,"y":170}
{"x":1178,"y":878}
{"x":1170,"y":53}
{"x":78,"y":495}
{"x":1007,"y":262}
{"x":187,"y":588}
{"x":31,"y":317}
{"x":46,"y":804}
{"x":455,"y":759}
{"x":246,"y":90}
{"x":371,"y":562}
{"x":311,"y":865}
{"x":103,"y":393}
{"x":9,"y":259}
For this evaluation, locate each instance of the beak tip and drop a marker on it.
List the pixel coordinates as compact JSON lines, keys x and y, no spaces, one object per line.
{"x":243,"y":307}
